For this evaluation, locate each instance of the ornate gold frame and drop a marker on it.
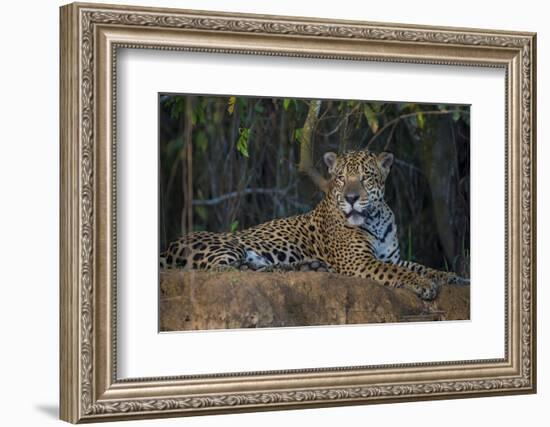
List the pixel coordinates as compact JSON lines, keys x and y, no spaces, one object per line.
{"x":90,"y":36}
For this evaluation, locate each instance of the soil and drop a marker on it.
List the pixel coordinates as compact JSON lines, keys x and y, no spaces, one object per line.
{"x":199,"y":300}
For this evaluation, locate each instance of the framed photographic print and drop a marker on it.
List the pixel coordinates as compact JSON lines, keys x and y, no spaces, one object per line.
{"x":265,"y":212}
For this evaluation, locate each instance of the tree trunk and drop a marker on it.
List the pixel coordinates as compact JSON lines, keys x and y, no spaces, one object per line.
{"x":306,"y":147}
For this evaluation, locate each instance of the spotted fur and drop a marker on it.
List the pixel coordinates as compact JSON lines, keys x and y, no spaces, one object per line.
{"x":379,"y":223}
{"x":337,"y":233}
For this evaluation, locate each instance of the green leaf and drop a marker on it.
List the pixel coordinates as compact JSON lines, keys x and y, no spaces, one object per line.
{"x":286,"y":104}
{"x":406,"y":106}
{"x":174,"y":146}
{"x":242,"y":142}
{"x":234,"y":225}
{"x":370,"y":115}
{"x":259,"y":108}
{"x":231,"y":104}
{"x":199,"y":116}
{"x":176,"y":107}
{"x":298,"y":134}
{"x":201,"y":140}
{"x":420,"y":120}
{"x":456,"y":115}
{"x":376,"y":107}
{"x":202,"y":212}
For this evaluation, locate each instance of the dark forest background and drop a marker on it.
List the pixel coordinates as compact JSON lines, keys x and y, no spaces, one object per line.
{"x":234,"y":161}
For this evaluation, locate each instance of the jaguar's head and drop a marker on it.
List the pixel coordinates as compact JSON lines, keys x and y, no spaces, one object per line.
{"x":357,"y":181}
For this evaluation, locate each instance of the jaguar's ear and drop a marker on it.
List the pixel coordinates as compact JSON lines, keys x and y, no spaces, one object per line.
{"x":385,"y":160}
{"x":330,"y":160}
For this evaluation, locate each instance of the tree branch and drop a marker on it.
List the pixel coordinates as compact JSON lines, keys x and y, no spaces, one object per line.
{"x":393,"y":122}
{"x":234,"y":194}
{"x":306,"y":147}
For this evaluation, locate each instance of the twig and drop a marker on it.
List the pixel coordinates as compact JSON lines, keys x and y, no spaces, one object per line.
{"x":233,"y":194}
{"x":408,"y":165}
{"x":339,"y":124}
{"x":187,"y":164}
{"x":390,"y":136}
{"x":404,"y":116}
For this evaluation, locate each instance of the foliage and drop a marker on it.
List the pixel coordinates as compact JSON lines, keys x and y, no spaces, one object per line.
{"x":245,"y":153}
{"x":242,"y":141}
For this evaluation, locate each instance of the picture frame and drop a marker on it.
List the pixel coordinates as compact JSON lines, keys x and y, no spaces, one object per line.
{"x":91,"y":36}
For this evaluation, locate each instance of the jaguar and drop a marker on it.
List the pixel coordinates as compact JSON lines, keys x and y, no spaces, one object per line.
{"x":351,"y":231}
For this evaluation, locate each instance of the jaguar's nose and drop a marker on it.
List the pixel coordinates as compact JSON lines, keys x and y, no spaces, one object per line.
{"x":351,"y":198}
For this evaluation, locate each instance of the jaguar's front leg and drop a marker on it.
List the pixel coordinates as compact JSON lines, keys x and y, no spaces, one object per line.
{"x":399,"y":277}
{"x":448,"y":278}
{"x":441,"y":277}
{"x":423,"y":286}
